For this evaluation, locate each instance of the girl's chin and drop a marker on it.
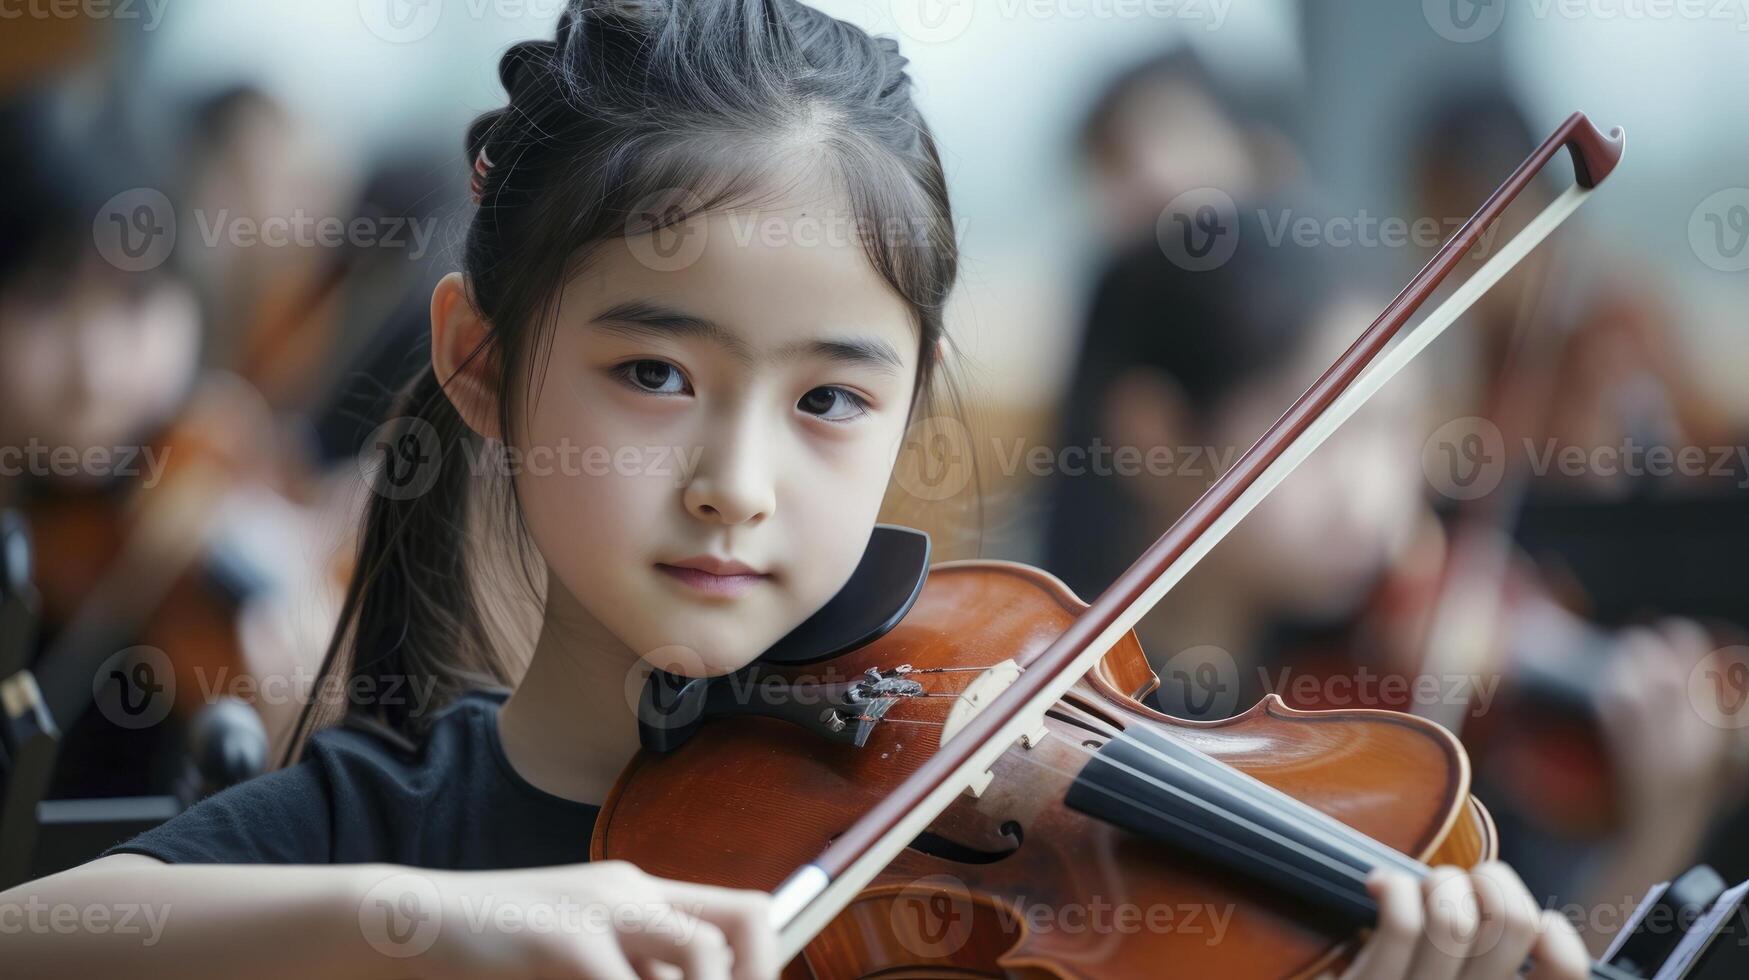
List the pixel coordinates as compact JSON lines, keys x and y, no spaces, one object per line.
{"x":691,"y":653}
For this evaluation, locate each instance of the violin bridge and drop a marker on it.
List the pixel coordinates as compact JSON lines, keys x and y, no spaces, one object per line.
{"x":977,"y":695}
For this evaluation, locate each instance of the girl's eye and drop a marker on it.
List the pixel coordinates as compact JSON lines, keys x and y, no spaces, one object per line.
{"x":832,"y":404}
{"x":655,"y":377}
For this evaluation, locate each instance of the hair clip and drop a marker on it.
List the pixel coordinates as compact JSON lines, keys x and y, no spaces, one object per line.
{"x":477,"y":183}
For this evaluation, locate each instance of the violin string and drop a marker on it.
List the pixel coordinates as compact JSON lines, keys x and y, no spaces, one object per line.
{"x":1360,"y":848}
{"x":1357,"y":845}
{"x":1349,"y":875}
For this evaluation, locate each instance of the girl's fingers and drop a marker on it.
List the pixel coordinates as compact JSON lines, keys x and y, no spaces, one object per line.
{"x":1389,"y":949}
{"x":742,"y":916}
{"x":674,"y":937}
{"x":1559,"y":954}
{"x":1452,"y":924}
{"x":599,"y":961}
{"x":1510,"y":921}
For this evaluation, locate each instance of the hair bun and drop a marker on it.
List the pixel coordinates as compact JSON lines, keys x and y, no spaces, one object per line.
{"x":627,"y":11}
{"x":527,"y":65}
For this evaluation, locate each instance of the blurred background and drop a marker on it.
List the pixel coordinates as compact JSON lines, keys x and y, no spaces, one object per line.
{"x":222,"y":223}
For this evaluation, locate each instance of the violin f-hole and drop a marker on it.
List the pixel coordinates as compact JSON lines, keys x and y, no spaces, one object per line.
{"x":948,"y":849}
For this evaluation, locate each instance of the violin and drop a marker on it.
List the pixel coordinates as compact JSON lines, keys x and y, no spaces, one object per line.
{"x":978,"y":750}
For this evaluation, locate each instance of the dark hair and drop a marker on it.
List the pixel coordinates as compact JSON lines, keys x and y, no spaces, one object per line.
{"x":1245,"y":106}
{"x":1211,"y":332}
{"x":674,"y":108}
{"x":1470,"y":141}
{"x":59,"y":165}
{"x":1178,"y":66}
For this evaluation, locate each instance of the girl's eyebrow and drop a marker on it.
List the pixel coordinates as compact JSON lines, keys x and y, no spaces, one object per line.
{"x":644,"y":318}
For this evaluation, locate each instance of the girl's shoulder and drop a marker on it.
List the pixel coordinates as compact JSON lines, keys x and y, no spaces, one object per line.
{"x":342,"y":801}
{"x":361,"y":734}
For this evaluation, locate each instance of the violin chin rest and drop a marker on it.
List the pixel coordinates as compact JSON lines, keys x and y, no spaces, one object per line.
{"x":878,"y":594}
{"x":876,"y":597}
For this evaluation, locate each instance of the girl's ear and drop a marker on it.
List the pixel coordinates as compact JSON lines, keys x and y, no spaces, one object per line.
{"x":463,"y":367}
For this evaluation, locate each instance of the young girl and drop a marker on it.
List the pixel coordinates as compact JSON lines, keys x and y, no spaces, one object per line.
{"x":781,"y":357}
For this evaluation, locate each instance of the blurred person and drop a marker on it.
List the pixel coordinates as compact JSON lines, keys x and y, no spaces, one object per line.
{"x":90,"y":355}
{"x":93,"y":360}
{"x":264,"y":196}
{"x":1170,"y":125}
{"x":1336,"y":574}
{"x":1197,"y":365}
{"x":143,"y":479}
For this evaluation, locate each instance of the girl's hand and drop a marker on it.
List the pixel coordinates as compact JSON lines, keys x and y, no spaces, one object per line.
{"x":1458,"y":925}
{"x":604,"y":919}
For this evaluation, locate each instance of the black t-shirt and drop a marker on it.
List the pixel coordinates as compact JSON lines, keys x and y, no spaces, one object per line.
{"x":453,"y":803}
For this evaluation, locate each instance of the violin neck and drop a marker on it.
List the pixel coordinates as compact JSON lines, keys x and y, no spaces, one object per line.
{"x":1154,"y":785}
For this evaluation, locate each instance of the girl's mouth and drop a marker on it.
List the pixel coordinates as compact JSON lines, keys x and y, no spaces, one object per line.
{"x":710,"y":584}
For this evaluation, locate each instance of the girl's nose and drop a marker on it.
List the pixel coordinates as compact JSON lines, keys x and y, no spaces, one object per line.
{"x":734,"y":482}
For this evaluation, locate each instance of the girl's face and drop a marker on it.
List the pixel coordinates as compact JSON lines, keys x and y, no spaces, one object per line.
{"x":746,"y":406}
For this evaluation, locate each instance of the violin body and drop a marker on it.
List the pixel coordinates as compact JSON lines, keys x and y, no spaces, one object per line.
{"x":1013,"y":882}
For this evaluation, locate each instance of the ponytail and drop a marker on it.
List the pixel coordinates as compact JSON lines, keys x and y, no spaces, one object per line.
{"x":412,"y":635}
